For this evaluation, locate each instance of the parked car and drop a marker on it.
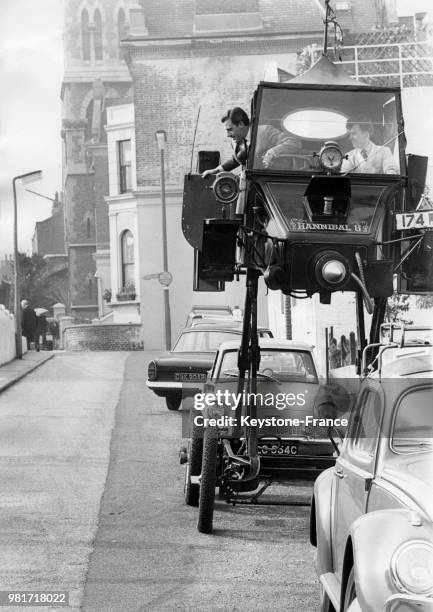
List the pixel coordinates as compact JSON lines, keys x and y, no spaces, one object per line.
{"x":288,"y":388}
{"x":184,"y":369}
{"x":371,"y":514}
{"x":199,"y":313}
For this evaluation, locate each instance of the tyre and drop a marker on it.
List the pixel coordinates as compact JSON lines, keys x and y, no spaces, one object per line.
{"x":208,"y":480}
{"x":193,"y":468}
{"x":350,"y":593}
{"x":173,"y":401}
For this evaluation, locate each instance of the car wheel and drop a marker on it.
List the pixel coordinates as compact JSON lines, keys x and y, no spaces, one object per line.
{"x":173,"y":401}
{"x":193,"y":468}
{"x":350,"y":593}
{"x":208,"y":480}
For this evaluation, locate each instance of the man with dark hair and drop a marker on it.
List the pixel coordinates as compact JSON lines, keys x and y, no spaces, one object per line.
{"x":270,"y":142}
{"x":367,"y":157}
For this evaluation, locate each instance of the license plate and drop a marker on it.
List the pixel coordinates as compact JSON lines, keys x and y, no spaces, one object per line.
{"x":189,"y":377}
{"x":415,"y":220}
{"x":276,"y":450}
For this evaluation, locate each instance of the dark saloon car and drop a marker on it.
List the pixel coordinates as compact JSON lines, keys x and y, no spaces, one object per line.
{"x":184,"y":369}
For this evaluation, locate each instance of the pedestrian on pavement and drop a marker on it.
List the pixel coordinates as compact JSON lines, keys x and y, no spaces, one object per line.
{"x":29,"y":324}
{"x":41,"y":329}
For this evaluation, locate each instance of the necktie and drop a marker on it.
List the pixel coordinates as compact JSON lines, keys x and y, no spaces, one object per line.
{"x":364,"y":154}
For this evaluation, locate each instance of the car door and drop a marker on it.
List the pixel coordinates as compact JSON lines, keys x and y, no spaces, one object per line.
{"x":354,"y":468}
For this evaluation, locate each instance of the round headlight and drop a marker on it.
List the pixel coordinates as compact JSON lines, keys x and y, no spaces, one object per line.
{"x":330,"y":156}
{"x":226,"y":187}
{"x":412,"y":567}
{"x":334,"y":271}
{"x":152,"y":370}
{"x":331,"y":270}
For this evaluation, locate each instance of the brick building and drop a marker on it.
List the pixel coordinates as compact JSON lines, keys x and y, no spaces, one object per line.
{"x":95,"y":76}
{"x":187,"y":69}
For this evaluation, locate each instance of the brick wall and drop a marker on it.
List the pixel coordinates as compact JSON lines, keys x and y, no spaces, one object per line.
{"x":126,"y":337}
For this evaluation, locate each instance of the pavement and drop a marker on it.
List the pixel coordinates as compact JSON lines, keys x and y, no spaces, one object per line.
{"x":15,"y":370}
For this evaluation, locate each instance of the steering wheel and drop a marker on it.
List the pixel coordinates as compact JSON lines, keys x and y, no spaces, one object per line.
{"x":291,"y":162}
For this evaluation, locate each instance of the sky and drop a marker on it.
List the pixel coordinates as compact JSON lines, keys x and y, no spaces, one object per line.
{"x":31,"y":70}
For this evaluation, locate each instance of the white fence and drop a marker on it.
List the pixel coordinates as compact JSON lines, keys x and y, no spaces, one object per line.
{"x":7,"y":335}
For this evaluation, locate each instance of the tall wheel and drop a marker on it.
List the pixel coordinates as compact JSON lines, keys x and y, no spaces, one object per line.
{"x":193,"y":468}
{"x":350,"y":593}
{"x":208,"y":480}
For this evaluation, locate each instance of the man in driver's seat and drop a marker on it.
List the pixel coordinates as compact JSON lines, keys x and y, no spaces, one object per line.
{"x":271,"y":143}
{"x":366,"y":156}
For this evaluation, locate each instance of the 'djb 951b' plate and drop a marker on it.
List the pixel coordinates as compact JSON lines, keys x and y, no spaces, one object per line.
{"x":189,"y":377}
{"x":414,"y":220}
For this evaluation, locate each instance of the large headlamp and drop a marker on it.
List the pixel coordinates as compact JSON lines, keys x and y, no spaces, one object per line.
{"x":331,"y":270}
{"x":226,"y":187}
{"x":412,"y":567}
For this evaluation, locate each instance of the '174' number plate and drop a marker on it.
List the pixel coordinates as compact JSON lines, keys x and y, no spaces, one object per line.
{"x":414,"y":220}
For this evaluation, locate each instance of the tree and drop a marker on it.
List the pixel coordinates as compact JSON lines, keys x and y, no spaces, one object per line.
{"x":424,"y":301}
{"x":397,"y":305}
{"x":41,"y":283}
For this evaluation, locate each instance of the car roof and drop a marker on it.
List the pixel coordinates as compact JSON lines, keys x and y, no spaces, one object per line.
{"x":270,"y":343}
{"x":417,"y":361}
{"x":217,"y":327}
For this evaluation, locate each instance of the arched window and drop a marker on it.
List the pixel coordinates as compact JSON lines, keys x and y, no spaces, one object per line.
{"x":98,"y":35}
{"x":85,"y":34}
{"x":121,"y":28}
{"x":127,"y":250}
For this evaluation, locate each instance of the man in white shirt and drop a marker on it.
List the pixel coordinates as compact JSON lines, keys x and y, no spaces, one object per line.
{"x":367,"y":157}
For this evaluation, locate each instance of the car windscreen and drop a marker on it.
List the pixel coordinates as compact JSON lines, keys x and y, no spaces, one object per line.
{"x":293,"y":125}
{"x":284,"y":365}
{"x":202,"y":341}
{"x":413,"y":422}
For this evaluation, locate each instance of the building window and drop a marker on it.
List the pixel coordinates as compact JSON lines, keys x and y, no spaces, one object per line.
{"x":88,"y":227}
{"x":124,"y":152}
{"x":98,"y":35}
{"x":127,"y":250}
{"x":85,"y":35}
{"x":121,"y":28}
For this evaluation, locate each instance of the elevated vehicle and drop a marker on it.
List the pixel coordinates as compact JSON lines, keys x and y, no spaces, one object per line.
{"x":183,"y":371}
{"x":371,"y":514}
{"x":311,"y":221}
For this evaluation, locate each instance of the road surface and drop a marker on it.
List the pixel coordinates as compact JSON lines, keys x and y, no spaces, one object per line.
{"x":92,"y":501}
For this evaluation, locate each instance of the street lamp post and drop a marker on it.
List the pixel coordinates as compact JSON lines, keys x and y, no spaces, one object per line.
{"x":29,"y":177}
{"x":161,"y":138}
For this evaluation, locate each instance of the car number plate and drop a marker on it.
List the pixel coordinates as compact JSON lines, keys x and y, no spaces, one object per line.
{"x":190,"y":377}
{"x":414,"y":220}
{"x":275,"y":449}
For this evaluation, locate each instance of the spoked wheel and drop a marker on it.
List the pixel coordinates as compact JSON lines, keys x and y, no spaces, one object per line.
{"x":193,"y":468}
{"x":208,"y":480}
{"x":173,"y":401}
{"x":350,"y":594}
